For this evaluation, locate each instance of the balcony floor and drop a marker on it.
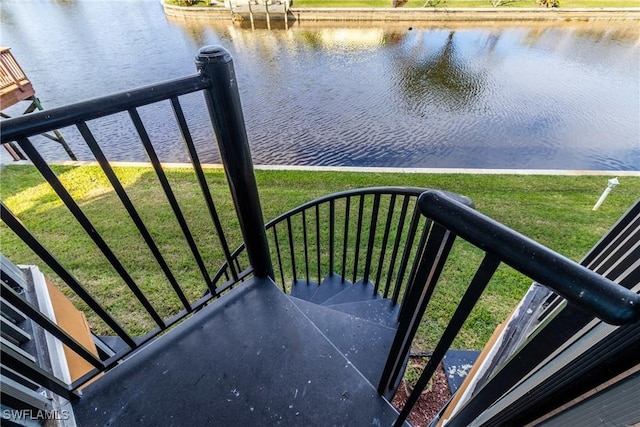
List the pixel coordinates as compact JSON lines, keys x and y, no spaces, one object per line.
{"x":250,"y":358}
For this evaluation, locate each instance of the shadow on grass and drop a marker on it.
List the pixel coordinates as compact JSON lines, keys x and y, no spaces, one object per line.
{"x":43,"y":213}
{"x":554,"y":210}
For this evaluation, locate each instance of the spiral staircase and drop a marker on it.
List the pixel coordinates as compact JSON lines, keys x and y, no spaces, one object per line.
{"x":308,"y":323}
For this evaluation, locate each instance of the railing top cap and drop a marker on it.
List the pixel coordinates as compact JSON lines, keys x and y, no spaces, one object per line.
{"x":213,"y":54}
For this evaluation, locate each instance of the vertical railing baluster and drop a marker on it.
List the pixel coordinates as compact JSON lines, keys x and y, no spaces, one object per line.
{"x":131,"y":210}
{"x":345,"y":244}
{"x":372,"y":238}
{"x":415,"y":301}
{"x":396,"y":244}
{"x":173,"y":202}
{"x":292,"y":251}
{"x":223,"y":101}
{"x":279,"y":255}
{"x":215,"y":279}
{"x":385,"y":240}
{"x":416,"y":259}
{"x":306,"y":244}
{"x":356,"y":255}
{"x":195,"y":161}
{"x":332,"y":234}
{"x":475,"y":289}
{"x":318,"y":245}
{"x":413,"y":228}
{"x":82,"y":219}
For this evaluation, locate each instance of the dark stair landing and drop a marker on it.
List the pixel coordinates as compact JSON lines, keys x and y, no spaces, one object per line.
{"x":251,"y":358}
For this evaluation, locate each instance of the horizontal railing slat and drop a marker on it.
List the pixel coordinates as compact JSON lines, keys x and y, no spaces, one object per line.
{"x":57,"y":118}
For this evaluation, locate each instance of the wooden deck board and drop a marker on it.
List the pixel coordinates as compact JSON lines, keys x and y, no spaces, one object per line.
{"x":13,"y":94}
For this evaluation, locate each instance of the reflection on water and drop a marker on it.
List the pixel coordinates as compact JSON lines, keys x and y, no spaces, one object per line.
{"x":509,"y":96}
{"x":437,"y":76}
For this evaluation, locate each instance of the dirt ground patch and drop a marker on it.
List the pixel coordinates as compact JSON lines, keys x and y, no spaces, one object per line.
{"x":429,"y":403}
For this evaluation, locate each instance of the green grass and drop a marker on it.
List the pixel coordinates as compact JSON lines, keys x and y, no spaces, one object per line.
{"x":338,"y":3}
{"x":554,"y":210}
{"x":194,"y":3}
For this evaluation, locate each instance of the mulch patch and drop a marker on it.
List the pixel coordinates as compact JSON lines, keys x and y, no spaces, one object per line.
{"x":429,"y":403}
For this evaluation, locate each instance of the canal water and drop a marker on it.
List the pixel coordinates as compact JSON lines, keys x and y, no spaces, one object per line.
{"x":534,"y":96}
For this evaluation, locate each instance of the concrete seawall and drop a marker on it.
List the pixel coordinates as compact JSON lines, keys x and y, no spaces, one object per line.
{"x":211,"y":13}
{"x":408,"y":14}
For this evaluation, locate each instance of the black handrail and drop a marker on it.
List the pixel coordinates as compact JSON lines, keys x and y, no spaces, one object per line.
{"x":397,"y":191}
{"x":595,"y":295}
{"x":591,"y":294}
{"x":57,"y":118}
{"x":588,"y":290}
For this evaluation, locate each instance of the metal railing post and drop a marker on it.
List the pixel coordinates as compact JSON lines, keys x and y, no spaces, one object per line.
{"x":223,"y":101}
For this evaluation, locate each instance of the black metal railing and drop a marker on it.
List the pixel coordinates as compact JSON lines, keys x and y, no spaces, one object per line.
{"x":324,"y":237}
{"x":375,"y":236}
{"x":367,"y":234}
{"x":591,"y":292}
{"x":397,"y":239}
{"x":216,"y":80}
{"x":364,"y":234}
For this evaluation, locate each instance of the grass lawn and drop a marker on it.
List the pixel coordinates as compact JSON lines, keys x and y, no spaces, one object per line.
{"x":555,"y":210}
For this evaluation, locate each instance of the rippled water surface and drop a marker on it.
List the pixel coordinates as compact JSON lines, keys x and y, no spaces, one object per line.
{"x":508,"y":96}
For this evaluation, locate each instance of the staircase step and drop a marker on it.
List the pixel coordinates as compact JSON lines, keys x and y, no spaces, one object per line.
{"x":250,"y":358}
{"x":381,"y":311}
{"x":365,"y":344}
{"x":359,"y":291}
{"x":457,"y":364}
{"x":303,"y":289}
{"x":330,"y":286}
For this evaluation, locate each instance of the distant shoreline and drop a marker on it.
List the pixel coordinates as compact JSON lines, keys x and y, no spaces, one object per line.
{"x":424,"y":15}
{"x":355,"y":169}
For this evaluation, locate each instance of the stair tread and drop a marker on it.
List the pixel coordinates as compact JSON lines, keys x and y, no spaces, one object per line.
{"x":457,"y":364}
{"x":250,"y":358}
{"x":366,"y":344}
{"x":304,"y":289}
{"x":330,"y":286}
{"x":359,"y":291}
{"x":381,"y":311}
